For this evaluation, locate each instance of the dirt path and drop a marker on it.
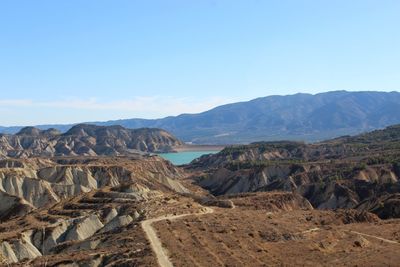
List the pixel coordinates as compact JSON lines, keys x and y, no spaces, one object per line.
{"x":155,"y":242}
{"x":309,"y":231}
{"x":376,"y":237}
{"x":355,"y":232}
{"x":233,"y":204}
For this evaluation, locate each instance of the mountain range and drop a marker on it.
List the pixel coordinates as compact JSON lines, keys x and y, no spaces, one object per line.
{"x":300,"y":116}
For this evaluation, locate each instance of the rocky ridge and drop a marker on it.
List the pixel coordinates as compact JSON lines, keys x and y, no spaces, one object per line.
{"x":85,"y":140}
{"x":338,"y":173}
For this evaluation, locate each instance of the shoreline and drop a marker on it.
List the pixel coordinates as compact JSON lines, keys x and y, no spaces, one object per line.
{"x":198,"y":148}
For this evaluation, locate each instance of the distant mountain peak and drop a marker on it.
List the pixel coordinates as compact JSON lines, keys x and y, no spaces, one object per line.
{"x":301,"y":116}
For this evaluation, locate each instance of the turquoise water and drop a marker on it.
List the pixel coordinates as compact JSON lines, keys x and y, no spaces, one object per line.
{"x":184,"y":157}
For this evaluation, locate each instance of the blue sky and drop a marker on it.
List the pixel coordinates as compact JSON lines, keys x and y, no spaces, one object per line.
{"x":73,"y":60}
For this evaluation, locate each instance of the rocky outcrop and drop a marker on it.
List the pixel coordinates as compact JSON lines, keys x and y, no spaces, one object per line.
{"x":19,"y":249}
{"x":229,"y":181}
{"x":35,"y":191}
{"x":84,"y":228}
{"x":35,"y":243}
{"x":24,"y":249}
{"x":117,"y":222}
{"x":51,"y":236}
{"x":11,"y":205}
{"x":85,"y":140}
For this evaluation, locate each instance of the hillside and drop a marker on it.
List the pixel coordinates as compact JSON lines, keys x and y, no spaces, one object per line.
{"x":140,"y":211}
{"x":85,"y":140}
{"x":292,"y":117}
{"x":347,"y":172}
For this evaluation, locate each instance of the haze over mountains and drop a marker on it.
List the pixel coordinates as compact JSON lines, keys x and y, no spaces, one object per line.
{"x":295,"y":117}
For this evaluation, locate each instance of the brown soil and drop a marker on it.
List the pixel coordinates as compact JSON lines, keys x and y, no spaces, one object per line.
{"x":248,"y":237}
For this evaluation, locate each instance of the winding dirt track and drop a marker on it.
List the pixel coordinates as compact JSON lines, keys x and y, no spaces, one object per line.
{"x":376,"y":237}
{"x":155,"y":242}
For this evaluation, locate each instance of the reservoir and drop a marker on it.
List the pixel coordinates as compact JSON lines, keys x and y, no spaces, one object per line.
{"x":185,"y":157}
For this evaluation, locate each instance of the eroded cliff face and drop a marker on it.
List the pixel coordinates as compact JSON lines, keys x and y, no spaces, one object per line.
{"x":85,"y":140}
{"x":339,"y":173}
{"x":71,"y":225}
{"x":59,"y":204}
{"x":319,"y":183}
{"x":36,"y":183}
{"x":275,"y":151}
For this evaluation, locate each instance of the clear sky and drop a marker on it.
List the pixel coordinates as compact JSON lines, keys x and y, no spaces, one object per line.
{"x":86,"y":60}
